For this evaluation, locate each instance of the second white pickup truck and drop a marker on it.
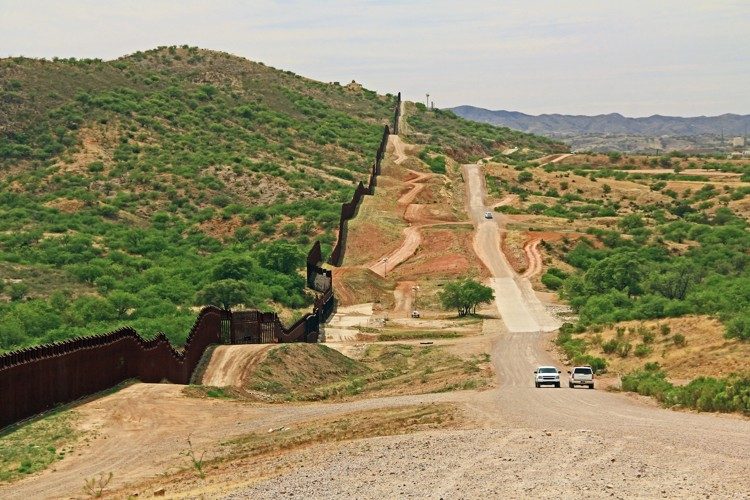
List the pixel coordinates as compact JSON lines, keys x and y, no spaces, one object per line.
{"x":581,"y":375}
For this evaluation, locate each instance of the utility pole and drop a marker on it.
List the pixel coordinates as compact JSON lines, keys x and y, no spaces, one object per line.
{"x":385,"y":266}
{"x":428,"y":101}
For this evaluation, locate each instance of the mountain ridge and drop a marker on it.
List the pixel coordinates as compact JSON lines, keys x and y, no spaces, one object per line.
{"x":560,"y":125}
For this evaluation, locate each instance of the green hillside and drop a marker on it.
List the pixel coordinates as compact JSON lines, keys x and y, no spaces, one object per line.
{"x":129,"y":188}
{"x":134,"y":191}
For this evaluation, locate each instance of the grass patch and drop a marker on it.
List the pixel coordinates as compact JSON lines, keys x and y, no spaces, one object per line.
{"x":417,"y":335}
{"x":206,"y":391}
{"x":312,"y":372}
{"x":32,"y":447}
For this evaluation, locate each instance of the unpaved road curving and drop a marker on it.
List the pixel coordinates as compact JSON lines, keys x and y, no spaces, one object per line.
{"x":412,"y":235}
{"x":533,"y":258}
{"x":412,"y":239}
{"x":516,"y":302}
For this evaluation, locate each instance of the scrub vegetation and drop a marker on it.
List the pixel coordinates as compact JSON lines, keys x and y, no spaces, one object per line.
{"x":133,"y":191}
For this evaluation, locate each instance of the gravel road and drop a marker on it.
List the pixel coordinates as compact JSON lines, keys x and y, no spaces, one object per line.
{"x":516,"y":302}
{"x":534,"y":442}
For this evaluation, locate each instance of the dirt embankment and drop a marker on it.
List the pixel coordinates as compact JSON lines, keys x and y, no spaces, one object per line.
{"x":233,"y":365}
{"x":685,"y":347}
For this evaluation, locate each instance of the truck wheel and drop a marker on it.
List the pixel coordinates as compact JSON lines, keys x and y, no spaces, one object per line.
{"x":557,"y":385}
{"x":591,"y":386}
{"x":536,"y":385}
{"x":570,"y":385}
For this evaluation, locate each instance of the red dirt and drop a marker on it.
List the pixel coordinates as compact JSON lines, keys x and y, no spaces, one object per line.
{"x":404,"y":297}
{"x":65,"y":205}
{"x":221,"y":229}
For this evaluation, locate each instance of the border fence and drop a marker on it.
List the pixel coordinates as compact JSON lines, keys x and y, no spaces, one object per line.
{"x":39,"y":378}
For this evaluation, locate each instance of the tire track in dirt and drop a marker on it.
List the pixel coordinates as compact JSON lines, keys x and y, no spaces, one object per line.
{"x":533,"y":258}
{"x":411,"y":213}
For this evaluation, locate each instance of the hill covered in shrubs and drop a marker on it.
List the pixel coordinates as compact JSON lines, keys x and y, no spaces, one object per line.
{"x":129,"y":188}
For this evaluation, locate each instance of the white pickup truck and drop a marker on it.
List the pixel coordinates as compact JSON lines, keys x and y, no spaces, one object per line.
{"x":546,"y":375}
{"x":581,"y":375}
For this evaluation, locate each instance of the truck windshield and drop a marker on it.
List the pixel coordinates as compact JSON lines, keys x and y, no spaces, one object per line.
{"x":547,"y":370}
{"x":583,"y":371}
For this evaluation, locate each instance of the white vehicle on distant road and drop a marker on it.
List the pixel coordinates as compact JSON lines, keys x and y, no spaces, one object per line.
{"x":581,"y":375}
{"x":488,"y":215}
{"x":547,"y":375}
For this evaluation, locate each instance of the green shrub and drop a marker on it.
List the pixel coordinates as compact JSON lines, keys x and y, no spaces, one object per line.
{"x":623,"y":349}
{"x":525,"y":176}
{"x":436,"y":163}
{"x":551,"y":281}
{"x":647,"y":336}
{"x":642,"y":350}
{"x":610,"y":346}
{"x":599,"y":365}
{"x":18,"y":291}
{"x":679,"y":340}
{"x":739,"y":327}
{"x":704,"y":393}
{"x":648,"y":383}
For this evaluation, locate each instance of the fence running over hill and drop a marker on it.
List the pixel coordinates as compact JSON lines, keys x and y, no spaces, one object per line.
{"x":349,"y":209}
{"x":37,"y":379}
{"x":397,"y":114}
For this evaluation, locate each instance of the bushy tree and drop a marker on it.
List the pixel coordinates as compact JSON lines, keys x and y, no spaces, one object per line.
{"x":465,"y":295}
{"x":617,"y":272}
{"x":18,"y":291}
{"x":226,"y":293}
{"x":282,"y":257}
{"x":122,"y":302}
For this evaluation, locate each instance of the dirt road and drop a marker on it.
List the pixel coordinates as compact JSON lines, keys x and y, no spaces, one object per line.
{"x":516,"y":302}
{"x":412,"y":234}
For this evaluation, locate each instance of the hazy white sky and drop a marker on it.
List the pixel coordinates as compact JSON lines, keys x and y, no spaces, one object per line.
{"x":677,"y":57}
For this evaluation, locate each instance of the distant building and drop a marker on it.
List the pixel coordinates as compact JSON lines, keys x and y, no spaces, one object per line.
{"x":738,"y":142}
{"x":354,"y":86}
{"x":746,"y":154}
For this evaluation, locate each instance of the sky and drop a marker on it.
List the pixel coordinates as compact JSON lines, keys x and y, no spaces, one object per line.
{"x":637,"y":58}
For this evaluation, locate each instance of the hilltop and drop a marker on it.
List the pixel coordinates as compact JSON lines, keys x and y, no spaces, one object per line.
{"x":131,"y":187}
{"x":614,"y":131}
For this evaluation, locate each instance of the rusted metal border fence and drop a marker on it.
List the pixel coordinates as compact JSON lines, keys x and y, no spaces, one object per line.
{"x":39,"y":378}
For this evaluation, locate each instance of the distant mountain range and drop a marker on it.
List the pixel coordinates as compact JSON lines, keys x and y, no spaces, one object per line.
{"x":615,"y":131}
